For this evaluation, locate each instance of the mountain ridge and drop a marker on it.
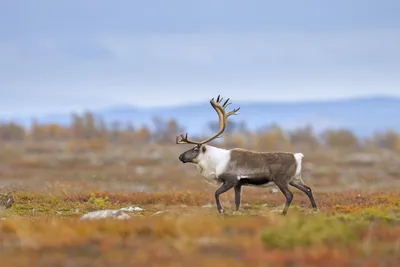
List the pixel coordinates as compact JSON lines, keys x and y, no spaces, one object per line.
{"x":362,"y":115}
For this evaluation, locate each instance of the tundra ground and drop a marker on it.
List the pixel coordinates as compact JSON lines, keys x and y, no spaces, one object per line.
{"x":358,"y":223}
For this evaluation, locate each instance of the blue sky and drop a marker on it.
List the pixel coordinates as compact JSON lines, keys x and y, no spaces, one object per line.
{"x":58,"y":56}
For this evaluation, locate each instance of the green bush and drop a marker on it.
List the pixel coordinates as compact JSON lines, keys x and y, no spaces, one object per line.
{"x":304,"y":232}
{"x":377,"y":215}
{"x":99,"y":202}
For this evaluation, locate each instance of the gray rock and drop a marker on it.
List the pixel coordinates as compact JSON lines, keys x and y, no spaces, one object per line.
{"x":6,"y":200}
{"x":102,"y":214}
{"x":132,"y":209}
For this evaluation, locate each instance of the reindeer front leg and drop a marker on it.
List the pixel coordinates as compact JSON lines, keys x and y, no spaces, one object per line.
{"x":225,"y":187}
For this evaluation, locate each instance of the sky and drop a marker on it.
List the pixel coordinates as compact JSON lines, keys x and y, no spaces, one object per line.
{"x":58,"y":56}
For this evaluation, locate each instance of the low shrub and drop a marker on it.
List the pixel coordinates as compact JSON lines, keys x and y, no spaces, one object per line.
{"x":308,"y":231}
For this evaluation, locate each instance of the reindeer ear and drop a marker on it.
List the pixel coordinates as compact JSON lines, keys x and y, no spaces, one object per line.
{"x":203,"y":148}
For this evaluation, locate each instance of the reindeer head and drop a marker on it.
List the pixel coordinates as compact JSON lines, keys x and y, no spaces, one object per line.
{"x":195,"y":154}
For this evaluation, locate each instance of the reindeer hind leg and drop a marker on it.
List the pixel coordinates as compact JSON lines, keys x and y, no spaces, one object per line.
{"x":288,"y":195}
{"x":299,"y":184}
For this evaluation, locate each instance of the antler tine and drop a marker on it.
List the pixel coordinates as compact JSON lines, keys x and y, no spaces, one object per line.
{"x":226,"y":103}
{"x":180,"y":141}
{"x":233,"y":112}
{"x":185,"y":140}
{"x":223,"y":107}
{"x":222,"y":115}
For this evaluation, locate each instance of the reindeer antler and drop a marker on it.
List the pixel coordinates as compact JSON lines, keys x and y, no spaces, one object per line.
{"x":223,"y":118}
{"x":185,"y":140}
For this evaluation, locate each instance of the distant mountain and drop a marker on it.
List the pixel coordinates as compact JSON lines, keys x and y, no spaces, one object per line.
{"x":361,"y":115}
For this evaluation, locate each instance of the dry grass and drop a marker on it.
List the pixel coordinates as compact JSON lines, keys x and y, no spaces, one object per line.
{"x":358,"y":223}
{"x":46,"y":230}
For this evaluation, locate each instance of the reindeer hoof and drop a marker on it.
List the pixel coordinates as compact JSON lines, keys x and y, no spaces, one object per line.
{"x":221,"y":210}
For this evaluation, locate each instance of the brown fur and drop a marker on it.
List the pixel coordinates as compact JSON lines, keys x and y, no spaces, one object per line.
{"x":240,"y":167}
{"x":251,"y":168}
{"x":268,"y":164}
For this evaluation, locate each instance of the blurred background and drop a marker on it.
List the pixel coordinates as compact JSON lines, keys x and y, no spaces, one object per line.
{"x":93,"y":94}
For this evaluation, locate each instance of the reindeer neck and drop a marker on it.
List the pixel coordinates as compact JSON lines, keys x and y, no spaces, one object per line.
{"x":216,"y":156}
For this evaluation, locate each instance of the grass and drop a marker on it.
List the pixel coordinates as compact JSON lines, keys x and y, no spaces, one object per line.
{"x":317,"y":230}
{"x":179,"y":224}
{"x":44,"y":229}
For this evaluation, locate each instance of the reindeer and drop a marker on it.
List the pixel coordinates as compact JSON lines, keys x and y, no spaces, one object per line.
{"x":239,"y":167}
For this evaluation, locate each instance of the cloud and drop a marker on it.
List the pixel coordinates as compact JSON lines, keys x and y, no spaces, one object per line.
{"x":81,"y":54}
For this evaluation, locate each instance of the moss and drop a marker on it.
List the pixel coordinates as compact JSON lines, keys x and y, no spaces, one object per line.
{"x":339,"y":235}
{"x":343,"y":227}
{"x":373,"y":214}
{"x":98,"y":202}
{"x":30,"y":204}
{"x":394,"y":200}
{"x":308,"y":231}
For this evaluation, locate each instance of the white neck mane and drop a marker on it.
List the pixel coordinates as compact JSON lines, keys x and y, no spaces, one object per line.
{"x":213,"y":162}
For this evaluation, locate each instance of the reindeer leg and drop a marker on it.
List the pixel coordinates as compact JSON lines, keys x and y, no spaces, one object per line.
{"x":299,"y":184}
{"x":288,"y":195}
{"x":238,"y":192}
{"x":225,"y":187}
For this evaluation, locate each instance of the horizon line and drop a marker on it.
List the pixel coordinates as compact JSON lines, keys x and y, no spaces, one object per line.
{"x":246,"y":102}
{"x":197,"y":103}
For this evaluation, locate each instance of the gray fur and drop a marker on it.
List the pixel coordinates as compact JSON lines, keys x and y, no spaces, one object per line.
{"x":251,"y":168}
{"x":240,"y":167}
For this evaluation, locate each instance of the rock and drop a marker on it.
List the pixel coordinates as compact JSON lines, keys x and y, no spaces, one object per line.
{"x":102,"y":214}
{"x":132,"y":209}
{"x":6,"y":200}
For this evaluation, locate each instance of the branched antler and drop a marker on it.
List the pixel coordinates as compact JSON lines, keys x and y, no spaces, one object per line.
{"x":223,"y":118}
{"x":185,"y":140}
